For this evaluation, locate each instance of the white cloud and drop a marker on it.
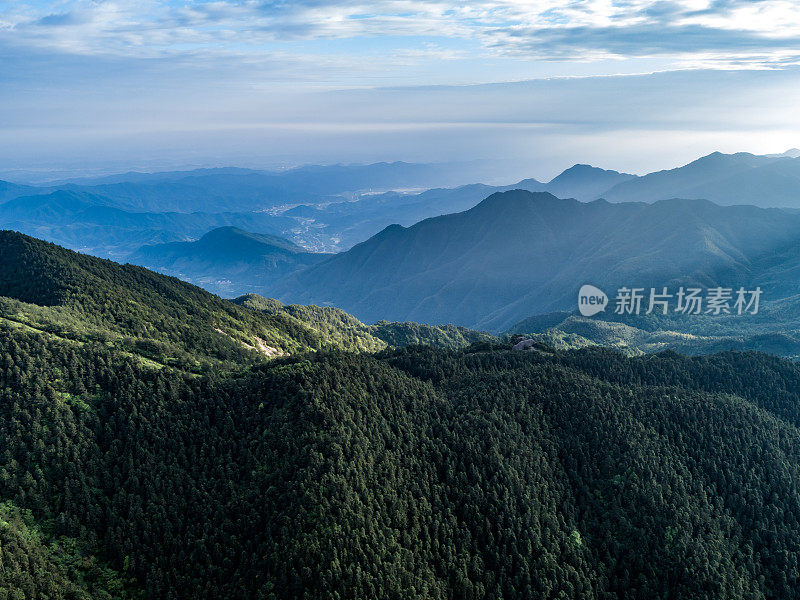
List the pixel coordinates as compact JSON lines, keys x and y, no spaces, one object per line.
{"x":680,"y":30}
{"x":241,"y":80}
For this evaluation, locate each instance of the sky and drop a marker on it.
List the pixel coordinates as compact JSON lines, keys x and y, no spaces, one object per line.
{"x":529,"y":87}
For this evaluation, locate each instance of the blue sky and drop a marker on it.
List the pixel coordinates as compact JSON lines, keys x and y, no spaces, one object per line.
{"x":534,"y":85}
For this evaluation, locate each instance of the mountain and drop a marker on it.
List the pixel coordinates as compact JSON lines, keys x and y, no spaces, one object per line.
{"x":584,"y":182}
{"x":336,"y":325}
{"x":422,"y":474}
{"x":152,"y":317}
{"x":9,"y":191}
{"x":775,"y":330}
{"x":791,"y":153}
{"x":726,"y":179}
{"x":332,"y":208}
{"x":341,"y":225}
{"x":94,"y":224}
{"x":155,"y":445}
{"x":162,"y":321}
{"x":52,"y":207}
{"x":112,"y":216}
{"x":227,"y":261}
{"x":144,"y":177}
{"x":518,"y":253}
{"x":238,"y":190}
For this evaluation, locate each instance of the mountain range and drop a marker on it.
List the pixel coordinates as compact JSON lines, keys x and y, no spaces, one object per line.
{"x":330,"y":209}
{"x":725,"y":179}
{"x":520,"y":253}
{"x":227,"y":261}
{"x":160,"y":442}
{"x":320,"y":208}
{"x":340,"y":225}
{"x":230,"y":189}
{"x":95,"y":224}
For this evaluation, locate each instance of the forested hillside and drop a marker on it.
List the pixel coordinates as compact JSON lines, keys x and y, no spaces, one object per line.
{"x":424,"y":473}
{"x":335,"y":324}
{"x":156,"y":318}
{"x":775,"y":330}
{"x":342,"y":472}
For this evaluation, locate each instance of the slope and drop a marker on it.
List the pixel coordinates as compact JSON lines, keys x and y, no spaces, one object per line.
{"x":519,"y":253}
{"x":91,"y":300}
{"x":585,"y":182}
{"x":228,"y":261}
{"x":726,"y":179}
{"x":415,"y":474}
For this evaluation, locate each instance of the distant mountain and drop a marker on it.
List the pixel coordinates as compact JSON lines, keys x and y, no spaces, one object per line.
{"x":94,"y":224}
{"x":145,"y":177}
{"x":228,"y":261}
{"x":232,"y":189}
{"x":791,"y":153}
{"x":726,"y":179}
{"x":584,"y":182}
{"x":332,"y":208}
{"x":114,"y":216}
{"x":52,"y":207}
{"x":340,"y":225}
{"x":9,"y":191}
{"x":202,"y":193}
{"x":519,"y":253}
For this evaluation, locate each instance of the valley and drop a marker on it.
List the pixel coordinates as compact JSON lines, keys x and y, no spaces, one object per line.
{"x":359,"y":424}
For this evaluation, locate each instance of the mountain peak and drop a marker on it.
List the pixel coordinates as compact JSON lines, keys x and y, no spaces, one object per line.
{"x":728,"y":179}
{"x":517,"y":198}
{"x":580,"y":168}
{"x":718,"y":157}
{"x":225,"y":257}
{"x":585,"y":182}
{"x":229,"y":236}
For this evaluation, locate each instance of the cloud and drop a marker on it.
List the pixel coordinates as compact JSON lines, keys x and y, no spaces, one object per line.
{"x":763,"y":34}
{"x":255,"y":81}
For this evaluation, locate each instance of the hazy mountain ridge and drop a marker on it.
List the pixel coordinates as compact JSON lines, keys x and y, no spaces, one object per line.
{"x":518,"y":253}
{"x":725,"y":179}
{"x":95,"y":224}
{"x":347,"y":223}
{"x":234,"y":189}
{"x":228,"y":261}
{"x":585,"y":182}
{"x":329,"y":208}
{"x":333,"y":208}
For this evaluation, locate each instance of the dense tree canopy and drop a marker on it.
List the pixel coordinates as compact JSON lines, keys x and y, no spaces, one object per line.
{"x":417,"y":472}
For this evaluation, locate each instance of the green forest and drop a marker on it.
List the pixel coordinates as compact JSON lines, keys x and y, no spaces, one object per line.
{"x":150,"y":447}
